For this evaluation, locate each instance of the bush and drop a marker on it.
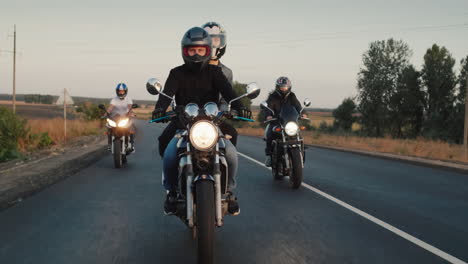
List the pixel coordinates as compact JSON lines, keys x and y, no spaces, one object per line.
{"x":40,"y":140}
{"x":12,"y":128}
{"x":90,"y":111}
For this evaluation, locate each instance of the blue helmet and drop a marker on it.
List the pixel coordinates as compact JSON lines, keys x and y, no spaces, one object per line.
{"x":121,"y":90}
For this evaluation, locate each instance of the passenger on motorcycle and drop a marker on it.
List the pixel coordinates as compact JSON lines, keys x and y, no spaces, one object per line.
{"x":280,"y":96}
{"x":219,"y":42}
{"x":121,"y":104}
{"x":198,"y":82}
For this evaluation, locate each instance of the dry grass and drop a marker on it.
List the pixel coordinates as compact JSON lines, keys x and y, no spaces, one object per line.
{"x":55,"y":129}
{"x":418,"y":148}
{"x":143,"y":113}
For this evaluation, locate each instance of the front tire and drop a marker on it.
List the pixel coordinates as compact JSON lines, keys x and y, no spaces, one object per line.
{"x":296,"y":168}
{"x":118,"y":161}
{"x":205,"y":229}
{"x":275,"y":167}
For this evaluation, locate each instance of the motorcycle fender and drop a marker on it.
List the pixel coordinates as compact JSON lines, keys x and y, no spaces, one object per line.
{"x":204,"y":177}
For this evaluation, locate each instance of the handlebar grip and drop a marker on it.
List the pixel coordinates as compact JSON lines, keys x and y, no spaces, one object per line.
{"x":169,"y":115}
{"x":244,"y":119}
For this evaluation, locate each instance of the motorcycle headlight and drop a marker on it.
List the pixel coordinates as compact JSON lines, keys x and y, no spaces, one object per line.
{"x":203,"y":135}
{"x":123,"y":122}
{"x":111,"y":122}
{"x":291,"y":128}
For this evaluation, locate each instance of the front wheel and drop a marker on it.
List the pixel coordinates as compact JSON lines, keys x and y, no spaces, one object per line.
{"x":205,"y":221}
{"x":296,"y":168}
{"x":276,"y":167}
{"x":118,"y":161}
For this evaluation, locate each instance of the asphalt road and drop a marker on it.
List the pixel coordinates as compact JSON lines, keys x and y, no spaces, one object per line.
{"x":104,"y":215}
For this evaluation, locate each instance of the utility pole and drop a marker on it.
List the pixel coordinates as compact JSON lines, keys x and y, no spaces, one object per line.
{"x":65,"y":113}
{"x":465,"y":135}
{"x":14,"y":71}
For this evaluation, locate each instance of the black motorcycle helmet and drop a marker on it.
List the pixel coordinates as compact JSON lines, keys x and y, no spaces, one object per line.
{"x":196,"y":37}
{"x":281,"y":83}
{"x":216,"y":31}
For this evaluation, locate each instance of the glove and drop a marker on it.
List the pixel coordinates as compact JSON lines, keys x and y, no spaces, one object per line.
{"x":245,"y":113}
{"x":242,"y":112}
{"x":158,"y":113}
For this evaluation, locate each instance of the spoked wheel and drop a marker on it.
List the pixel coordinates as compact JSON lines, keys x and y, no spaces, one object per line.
{"x":118,"y":161}
{"x":296,"y":168}
{"x":205,"y":229}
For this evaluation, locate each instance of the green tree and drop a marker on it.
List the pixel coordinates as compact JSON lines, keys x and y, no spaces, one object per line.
{"x":407,"y":105}
{"x":458,"y":115}
{"x":439,"y":81}
{"x":239,"y":89}
{"x":383,"y":64}
{"x":344,"y":115}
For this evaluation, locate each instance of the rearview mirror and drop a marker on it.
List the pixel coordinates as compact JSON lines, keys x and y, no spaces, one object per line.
{"x":153,"y":86}
{"x":253,"y":90}
{"x":307,"y":102}
{"x":264,"y":105}
{"x":101,"y":106}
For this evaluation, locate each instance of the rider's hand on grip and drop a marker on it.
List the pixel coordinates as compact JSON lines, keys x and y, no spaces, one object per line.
{"x":245,"y":113}
{"x":158,"y":113}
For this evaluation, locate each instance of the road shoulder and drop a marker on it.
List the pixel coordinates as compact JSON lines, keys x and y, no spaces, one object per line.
{"x":21,"y":179}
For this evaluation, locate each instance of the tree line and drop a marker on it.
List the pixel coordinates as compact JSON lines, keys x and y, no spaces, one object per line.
{"x":394,"y":98}
{"x":40,"y":99}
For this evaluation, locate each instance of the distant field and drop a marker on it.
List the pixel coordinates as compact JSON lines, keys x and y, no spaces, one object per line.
{"x":315,"y":117}
{"x":37,"y":111}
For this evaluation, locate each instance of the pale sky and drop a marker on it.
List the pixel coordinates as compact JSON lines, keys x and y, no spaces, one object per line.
{"x":89,"y":46}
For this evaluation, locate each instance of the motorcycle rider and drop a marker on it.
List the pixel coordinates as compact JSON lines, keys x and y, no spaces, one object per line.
{"x":219,"y":42}
{"x":121,"y":104}
{"x":198,"y":82}
{"x":282,"y":95}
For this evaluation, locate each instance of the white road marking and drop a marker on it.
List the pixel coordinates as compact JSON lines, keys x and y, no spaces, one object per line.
{"x":377,"y":221}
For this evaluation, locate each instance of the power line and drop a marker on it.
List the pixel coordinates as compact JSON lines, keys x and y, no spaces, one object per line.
{"x":352,"y":34}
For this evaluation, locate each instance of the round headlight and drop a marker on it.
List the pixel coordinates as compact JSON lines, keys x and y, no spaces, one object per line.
{"x":203,"y":135}
{"x":111,"y":122}
{"x":123,"y":122}
{"x":291,"y":128}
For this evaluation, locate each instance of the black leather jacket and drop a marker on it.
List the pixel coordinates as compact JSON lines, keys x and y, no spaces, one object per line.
{"x":276,"y":101}
{"x":197,"y":87}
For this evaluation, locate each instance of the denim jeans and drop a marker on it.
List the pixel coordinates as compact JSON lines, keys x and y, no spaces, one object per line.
{"x":170,"y":165}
